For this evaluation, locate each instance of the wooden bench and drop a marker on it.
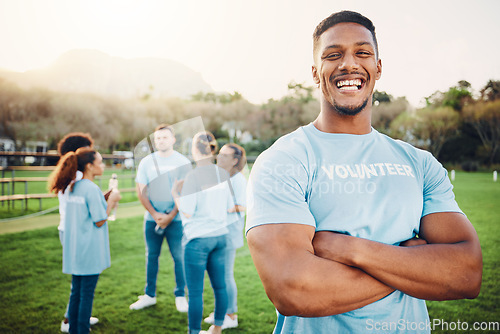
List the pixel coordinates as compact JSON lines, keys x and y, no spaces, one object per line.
{"x":11,"y":196}
{"x":25,"y":198}
{"x":6,"y":180}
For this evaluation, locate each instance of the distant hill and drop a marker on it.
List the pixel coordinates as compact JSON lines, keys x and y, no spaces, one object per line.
{"x":93,"y":71}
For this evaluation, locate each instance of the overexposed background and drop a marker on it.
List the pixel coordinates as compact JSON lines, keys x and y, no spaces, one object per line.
{"x":257,"y":47}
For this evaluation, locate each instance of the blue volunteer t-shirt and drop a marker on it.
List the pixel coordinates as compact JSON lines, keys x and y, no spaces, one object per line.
{"x":205,"y":198}
{"x":159,"y":174}
{"x":85,"y":246}
{"x":368,"y":186}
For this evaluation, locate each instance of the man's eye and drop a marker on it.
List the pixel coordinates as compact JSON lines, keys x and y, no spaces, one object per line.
{"x":332,"y":56}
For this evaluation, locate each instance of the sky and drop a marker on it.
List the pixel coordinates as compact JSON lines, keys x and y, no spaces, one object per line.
{"x":257,"y":47}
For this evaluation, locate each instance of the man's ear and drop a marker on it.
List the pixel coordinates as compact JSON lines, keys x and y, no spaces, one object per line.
{"x":315,"y":75}
{"x":379,"y":69}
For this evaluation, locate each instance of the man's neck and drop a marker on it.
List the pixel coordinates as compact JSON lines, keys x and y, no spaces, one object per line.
{"x":331,"y":121}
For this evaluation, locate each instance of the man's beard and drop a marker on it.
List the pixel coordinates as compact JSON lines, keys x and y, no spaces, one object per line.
{"x":349,"y":110}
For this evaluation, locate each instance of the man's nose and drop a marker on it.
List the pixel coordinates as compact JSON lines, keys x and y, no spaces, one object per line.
{"x":348,"y":63}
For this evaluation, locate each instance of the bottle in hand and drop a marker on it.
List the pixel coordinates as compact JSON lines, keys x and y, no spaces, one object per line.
{"x":113,"y":186}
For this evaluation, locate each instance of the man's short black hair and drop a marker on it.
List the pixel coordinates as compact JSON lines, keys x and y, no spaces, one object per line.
{"x":73,"y":141}
{"x":165,"y":126}
{"x":341,"y":17}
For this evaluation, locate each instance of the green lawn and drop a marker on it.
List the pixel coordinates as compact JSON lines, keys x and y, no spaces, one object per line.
{"x":34,"y":292}
{"x":479,"y":198}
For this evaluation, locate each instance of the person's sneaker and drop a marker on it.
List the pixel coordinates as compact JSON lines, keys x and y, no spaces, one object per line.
{"x":210,"y":319}
{"x":65,"y":325}
{"x":230,"y":323}
{"x":144,"y":301}
{"x":210,"y":330}
{"x":181,"y":304}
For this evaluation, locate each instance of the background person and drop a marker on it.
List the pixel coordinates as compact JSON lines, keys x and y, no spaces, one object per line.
{"x":331,"y":205}
{"x":155,"y":176}
{"x":204,"y":201}
{"x":86,"y":241}
{"x":70,"y":143}
{"x":232,"y":158}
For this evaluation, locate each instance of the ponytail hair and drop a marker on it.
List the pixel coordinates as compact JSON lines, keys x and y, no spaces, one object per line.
{"x":67,"y":167}
{"x":205,"y":143}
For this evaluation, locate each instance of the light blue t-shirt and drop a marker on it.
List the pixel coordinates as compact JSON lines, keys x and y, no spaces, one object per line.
{"x":206,"y":198}
{"x":159,"y":174}
{"x":236,"y":220}
{"x":367,"y":186}
{"x":85,"y":246}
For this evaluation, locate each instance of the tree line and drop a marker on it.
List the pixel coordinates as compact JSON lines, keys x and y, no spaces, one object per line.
{"x":456,"y":126}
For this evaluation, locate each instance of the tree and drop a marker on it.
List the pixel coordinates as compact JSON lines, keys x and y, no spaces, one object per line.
{"x":428,"y":128}
{"x":491,"y":91}
{"x":456,"y":97}
{"x":485,"y":118}
{"x":381,"y":97}
{"x":385,"y":112}
{"x":299,"y":92}
{"x":217,"y":98}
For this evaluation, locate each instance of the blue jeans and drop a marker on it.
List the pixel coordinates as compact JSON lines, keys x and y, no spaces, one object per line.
{"x":80,"y":303}
{"x":61,"y":238}
{"x":154,"y":241}
{"x":205,"y":254}
{"x":232,"y":292}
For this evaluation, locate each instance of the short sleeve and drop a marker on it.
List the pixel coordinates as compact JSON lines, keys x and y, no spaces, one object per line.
{"x":277,"y":191}
{"x":96,"y":203}
{"x":438,"y":190}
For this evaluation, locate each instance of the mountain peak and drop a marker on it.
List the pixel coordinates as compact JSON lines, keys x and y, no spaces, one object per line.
{"x":93,"y":71}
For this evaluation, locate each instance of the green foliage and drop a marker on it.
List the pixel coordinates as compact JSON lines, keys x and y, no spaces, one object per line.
{"x":120,"y":124}
{"x":485,"y":118}
{"x":278,"y":117}
{"x":456,"y":97}
{"x":384,"y":113}
{"x":299,"y":92}
{"x":381,"y":97}
{"x":491,"y":91}
{"x":217,"y":98}
{"x":427,"y":128}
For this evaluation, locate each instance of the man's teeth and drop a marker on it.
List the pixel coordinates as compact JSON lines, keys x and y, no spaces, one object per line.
{"x":349,"y":84}
{"x":349,"y":88}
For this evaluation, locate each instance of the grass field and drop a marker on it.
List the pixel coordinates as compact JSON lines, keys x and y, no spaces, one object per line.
{"x":34,"y":292}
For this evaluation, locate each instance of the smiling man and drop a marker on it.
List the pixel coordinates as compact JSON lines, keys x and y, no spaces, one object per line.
{"x":350,"y":230}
